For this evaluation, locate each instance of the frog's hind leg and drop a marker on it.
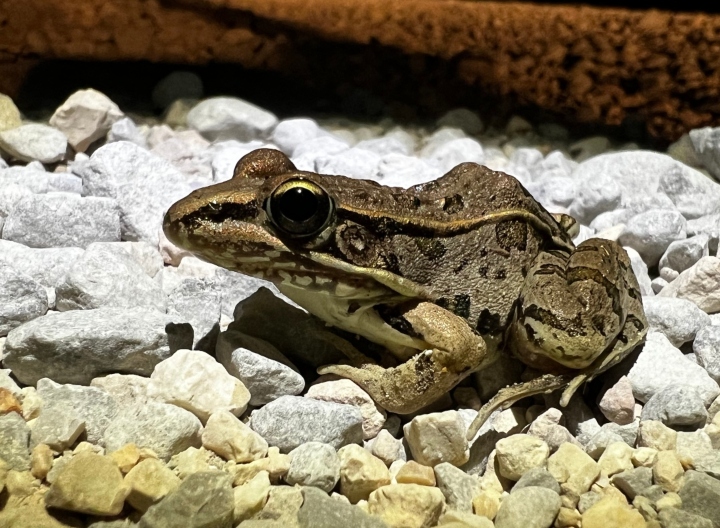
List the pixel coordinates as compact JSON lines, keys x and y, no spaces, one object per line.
{"x":509,"y":395}
{"x":579,"y":311}
{"x":454,"y":352}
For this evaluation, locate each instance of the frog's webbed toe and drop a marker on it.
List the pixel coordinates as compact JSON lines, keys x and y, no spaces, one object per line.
{"x":454,"y":352}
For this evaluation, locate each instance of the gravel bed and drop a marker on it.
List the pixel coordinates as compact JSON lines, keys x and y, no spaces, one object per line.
{"x":143,"y":387}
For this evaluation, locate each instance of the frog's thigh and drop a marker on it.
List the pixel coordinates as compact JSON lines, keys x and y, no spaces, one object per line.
{"x":573,"y":305}
{"x":456,"y":351}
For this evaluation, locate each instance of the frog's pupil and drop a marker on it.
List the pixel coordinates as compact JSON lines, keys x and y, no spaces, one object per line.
{"x":298,"y":204}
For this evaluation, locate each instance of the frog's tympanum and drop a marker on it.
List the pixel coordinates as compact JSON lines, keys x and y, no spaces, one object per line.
{"x":445,"y":275}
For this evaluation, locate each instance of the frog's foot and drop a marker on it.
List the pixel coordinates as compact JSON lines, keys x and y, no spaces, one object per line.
{"x":579,"y":311}
{"x":454,"y":352}
{"x":509,"y":395}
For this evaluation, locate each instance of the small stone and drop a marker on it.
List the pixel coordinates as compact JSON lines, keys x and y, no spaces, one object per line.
{"x":678,"y":319}
{"x":530,"y":507}
{"x":77,"y":346}
{"x":34,"y":142}
{"x":283,"y":504}
{"x":195,"y":381}
{"x":413,"y":473}
{"x":148,"y":482}
{"x":547,"y":427}
{"x":700,"y":495}
{"x":320,"y":511}
{"x":587,"y":500}
{"x":314,"y":464}
{"x":571,"y":466}
{"x":486,"y":504}
{"x":618,"y":402}
{"x":707,"y":350}
{"x":408,"y":505}
{"x":458,"y":487}
{"x":230,"y":438}
{"x":60,"y":219}
{"x":177,"y":85}
{"x":277,"y":465}
{"x":22,"y":299}
{"x":14,"y":438}
{"x":519,"y":453}
{"x":644,"y":456}
{"x":220,"y":118}
{"x":194,"y":460}
{"x":289,"y":133}
{"x":106,"y":276}
{"x":646,"y":508}
{"x":352,"y":162}
{"x":462,"y":118}
{"x":458,"y":519}
{"x":679,"y":405}
{"x":676,"y":518}
{"x":661,"y":364}
{"x":41,"y":461}
{"x":611,"y":513}
{"x":84,"y":117}
{"x":700,"y":284}
{"x":250,"y":497}
{"x":682,"y":254}
{"x":266,"y":372}
{"x":126,"y":457}
{"x":9,"y":403}
{"x":633,"y":482}
{"x":540,"y":477}
{"x":144,"y":185}
{"x":124,"y":129}
{"x":655,"y":434}
{"x":9,"y":114}
{"x":666,"y":500}
{"x":616,"y":458}
{"x":291,"y":421}
{"x":668,"y":471}
{"x":651,"y":232}
{"x":387,"y":448}
{"x":125,"y":389}
{"x":92,"y":406}
{"x":164,"y":428}
{"x":438,"y":437}
{"x":467,"y":398}
{"x":451,"y":153}
{"x":348,"y":392}
{"x":88,"y":483}
{"x":360,"y":473}
{"x":202,"y":500}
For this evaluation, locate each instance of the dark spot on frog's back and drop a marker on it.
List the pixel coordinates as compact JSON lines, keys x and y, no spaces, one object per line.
{"x":453,"y":204}
{"x":431,"y":248}
{"x":512,"y":234}
{"x":459,"y":305}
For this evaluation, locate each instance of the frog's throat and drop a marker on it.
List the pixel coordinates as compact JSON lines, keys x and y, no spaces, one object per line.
{"x":357,"y":315}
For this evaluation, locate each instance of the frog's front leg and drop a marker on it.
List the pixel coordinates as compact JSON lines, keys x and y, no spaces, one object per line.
{"x":455,"y":352}
{"x":579,"y":312}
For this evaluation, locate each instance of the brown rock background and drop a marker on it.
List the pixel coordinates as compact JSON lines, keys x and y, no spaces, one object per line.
{"x":590,"y":64}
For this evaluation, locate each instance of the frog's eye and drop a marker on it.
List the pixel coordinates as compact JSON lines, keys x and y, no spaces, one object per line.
{"x":300,"y":208}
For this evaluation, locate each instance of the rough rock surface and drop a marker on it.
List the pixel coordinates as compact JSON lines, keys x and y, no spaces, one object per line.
{"x":647,"y":67}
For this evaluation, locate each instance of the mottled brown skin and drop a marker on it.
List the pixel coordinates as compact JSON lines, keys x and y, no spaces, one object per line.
{"x":464,"y":267}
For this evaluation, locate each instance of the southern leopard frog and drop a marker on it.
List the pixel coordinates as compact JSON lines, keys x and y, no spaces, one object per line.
{"x":444,"y":275}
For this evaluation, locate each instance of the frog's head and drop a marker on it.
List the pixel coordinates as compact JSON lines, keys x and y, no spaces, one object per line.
{"x":275,"y":222}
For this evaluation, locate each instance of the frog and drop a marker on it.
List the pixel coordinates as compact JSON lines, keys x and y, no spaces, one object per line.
{"x":444,"y":276}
